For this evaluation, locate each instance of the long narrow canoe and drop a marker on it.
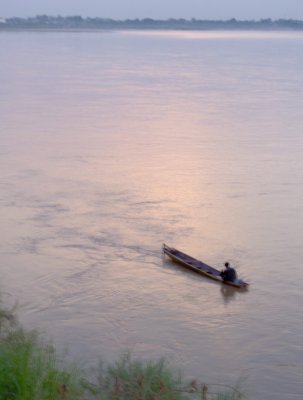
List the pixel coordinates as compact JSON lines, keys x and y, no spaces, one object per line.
{"x":199,"y":266}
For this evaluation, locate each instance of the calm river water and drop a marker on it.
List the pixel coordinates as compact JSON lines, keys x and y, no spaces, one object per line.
{"x":113,"y":143}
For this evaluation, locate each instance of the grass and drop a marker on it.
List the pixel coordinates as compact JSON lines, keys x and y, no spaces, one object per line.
{"x":30,"y":369}
{"x":130,"y":379}
{"x":135,"y":379}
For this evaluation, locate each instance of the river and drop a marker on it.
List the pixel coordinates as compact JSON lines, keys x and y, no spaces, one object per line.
{"x":115,"y":142}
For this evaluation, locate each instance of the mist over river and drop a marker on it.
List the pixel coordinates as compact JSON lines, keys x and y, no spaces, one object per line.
{"x":112,"y":143}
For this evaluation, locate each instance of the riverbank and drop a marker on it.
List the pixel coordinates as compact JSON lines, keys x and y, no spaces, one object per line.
{"x":32,"y":369}
{"x":49,"y":22}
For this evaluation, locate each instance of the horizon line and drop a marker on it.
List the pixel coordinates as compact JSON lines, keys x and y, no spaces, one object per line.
{"x":232,"y":19}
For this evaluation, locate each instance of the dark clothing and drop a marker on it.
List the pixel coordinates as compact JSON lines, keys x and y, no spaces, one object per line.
{"x":229,"y":274}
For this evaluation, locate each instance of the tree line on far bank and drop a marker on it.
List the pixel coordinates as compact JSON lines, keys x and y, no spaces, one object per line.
{"x":78,"y":22}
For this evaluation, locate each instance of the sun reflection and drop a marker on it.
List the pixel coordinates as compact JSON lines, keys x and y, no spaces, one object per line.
{"x":217,"y":34}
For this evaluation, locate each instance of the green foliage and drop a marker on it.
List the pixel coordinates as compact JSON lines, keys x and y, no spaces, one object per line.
{"x":7,"y":320}
{"x":130,"y":379}
{"x":30,"y":369}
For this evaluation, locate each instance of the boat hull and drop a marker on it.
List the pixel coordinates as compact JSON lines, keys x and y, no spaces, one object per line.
{"x":199,"y":266}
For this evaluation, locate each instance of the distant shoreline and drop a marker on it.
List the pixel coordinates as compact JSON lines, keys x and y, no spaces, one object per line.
{"x":77,"y":23}
{"x":108,"y":30}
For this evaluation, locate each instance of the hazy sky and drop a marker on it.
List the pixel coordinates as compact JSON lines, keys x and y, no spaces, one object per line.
{"x":160,"y":9}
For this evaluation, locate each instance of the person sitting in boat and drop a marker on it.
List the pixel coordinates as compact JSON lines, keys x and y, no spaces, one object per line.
{"x":229,"y":274}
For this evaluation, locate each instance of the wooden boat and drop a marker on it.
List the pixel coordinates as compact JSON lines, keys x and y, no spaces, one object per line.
{"x":200,"y":266}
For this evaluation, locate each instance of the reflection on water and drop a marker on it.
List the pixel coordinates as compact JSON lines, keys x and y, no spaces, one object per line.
{"x":112,"y":144}
{"x":228,"y":293}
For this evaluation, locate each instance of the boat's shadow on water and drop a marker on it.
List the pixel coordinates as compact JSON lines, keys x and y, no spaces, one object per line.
{"x":228,"y":293}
